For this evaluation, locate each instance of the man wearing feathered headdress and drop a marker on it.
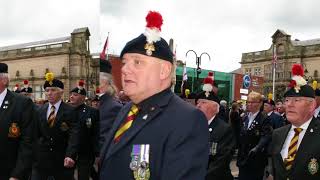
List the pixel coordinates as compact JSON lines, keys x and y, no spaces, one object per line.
{"x":58,"y":135}
{"x":295,"y":147}
{"x":89,"y":131}
{"x":157,"y":136}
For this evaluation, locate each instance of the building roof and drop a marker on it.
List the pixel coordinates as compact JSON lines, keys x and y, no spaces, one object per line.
{"x":36,"y":43}
{"x":279,"y":31}
{"x":237,"y":71}
{"x":306,"y":42}
{"x":81,"y":30}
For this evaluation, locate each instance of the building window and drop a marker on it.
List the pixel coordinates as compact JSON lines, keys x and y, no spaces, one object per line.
{"x":257,"y":71}
{"x":248,"y":71}
{"x":38,"y":92}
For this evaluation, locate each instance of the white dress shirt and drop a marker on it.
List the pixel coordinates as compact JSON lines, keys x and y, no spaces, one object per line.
{"x":2,"y":96}
{"x":56,"y":105}
{"x":209,"y":122}
{"x":285,"y":147}
{"x":316,"y":111}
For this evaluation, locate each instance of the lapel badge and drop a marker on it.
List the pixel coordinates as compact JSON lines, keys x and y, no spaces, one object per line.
{"x":14,"y":131}
{"x":5,"y":107}
{"x":210,"y":129}
{"x":6,"y":102}
{"x":88,"y":122}
{"x":64,"y":126}
{"x":145,"y":117}
{"x":313,"y":166}
{"x":311,"y":130}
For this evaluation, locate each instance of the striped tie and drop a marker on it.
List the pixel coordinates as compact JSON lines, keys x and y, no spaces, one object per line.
{"x":52,"y":116}
{"x":292,"y":151}
{"x":126,"y":124}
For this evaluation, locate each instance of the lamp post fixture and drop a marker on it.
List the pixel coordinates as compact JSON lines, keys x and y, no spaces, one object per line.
{"x":198,"y":60}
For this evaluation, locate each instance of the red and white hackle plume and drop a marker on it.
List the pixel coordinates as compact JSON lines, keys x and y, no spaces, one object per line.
{"x":98,"y":90}
{"x":16,"y":87}
{"x":153,"y":27}
{"x":81,"y":84}
{"x":297,"y":77}
{"x":208,"y":84}
{"x":25,"y":83}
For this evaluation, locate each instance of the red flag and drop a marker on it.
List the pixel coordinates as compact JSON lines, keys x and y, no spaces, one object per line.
{"x":103,"y":53}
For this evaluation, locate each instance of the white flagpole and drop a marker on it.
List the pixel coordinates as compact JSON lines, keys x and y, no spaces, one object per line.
{"x":274,"y":72}
{"x":107,"y":48}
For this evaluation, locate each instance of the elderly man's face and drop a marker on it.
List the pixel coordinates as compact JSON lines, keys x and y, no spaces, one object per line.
{"x":267,"y":107}
{"x":299,"y":109}
{"x":141,"y":76}
{"x":53,"y":94}
{"x":280,"y":107}
{"x":3,"y":83}
{"x":209,"y":108}
{"x":76,"y":99}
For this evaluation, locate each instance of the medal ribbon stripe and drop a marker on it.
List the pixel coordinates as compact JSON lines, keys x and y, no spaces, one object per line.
{"x":127,"y":123}
{"x":52,"y":116}
{"x":292,"y":148}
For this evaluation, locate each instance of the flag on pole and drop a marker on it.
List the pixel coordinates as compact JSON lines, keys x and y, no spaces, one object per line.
{"x":105,"y":48}
{"x":274,"y":58}
{"x":175,"y":53}
{"x":185,"y":75}
{"x":184,"y":78}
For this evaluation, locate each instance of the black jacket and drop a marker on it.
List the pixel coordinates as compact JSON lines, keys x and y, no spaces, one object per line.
{"x":17,"y":114}
{"x":58,"y":142}
{"x":89,"y":131}
{"x":220,"y":157}
{"x":307,"y":158}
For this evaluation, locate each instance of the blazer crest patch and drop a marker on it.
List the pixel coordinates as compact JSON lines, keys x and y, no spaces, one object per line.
{"x":14,"y":131}
{"x":64,"y":126}
{"x":313,"y":166}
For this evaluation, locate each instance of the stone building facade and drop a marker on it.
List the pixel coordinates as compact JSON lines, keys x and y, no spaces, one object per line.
{"x":67,"y":57}
{"x":288,"y":52}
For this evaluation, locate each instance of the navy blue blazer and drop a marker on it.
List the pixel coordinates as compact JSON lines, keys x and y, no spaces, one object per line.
{"x":177,"y":134}
{"x":16,"y":112}
{"x":276,"y":120}
{"x":108,"y":111}
{"x":306,"y":163}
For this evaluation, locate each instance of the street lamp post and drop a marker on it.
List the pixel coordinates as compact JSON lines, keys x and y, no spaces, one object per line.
{"x":198,"y":61}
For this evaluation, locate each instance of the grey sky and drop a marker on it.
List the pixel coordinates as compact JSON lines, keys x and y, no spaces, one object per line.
{"x":224,"y":29}
{"x":34,"y":20}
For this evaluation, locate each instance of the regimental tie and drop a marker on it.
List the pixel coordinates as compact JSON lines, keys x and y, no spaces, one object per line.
{"x":292,"y":151}
{"x":52,"y":116}
{"x":127,"y":123}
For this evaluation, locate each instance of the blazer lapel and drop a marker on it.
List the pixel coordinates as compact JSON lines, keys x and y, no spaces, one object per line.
{"x":6,"y":104}
{"x":309,"y":137}
{"x":139,"y":123}
{"x":109,"y":139}
{"x":142,"y":120}
{"x":282,"y":138}
{"x":59,"y":113}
